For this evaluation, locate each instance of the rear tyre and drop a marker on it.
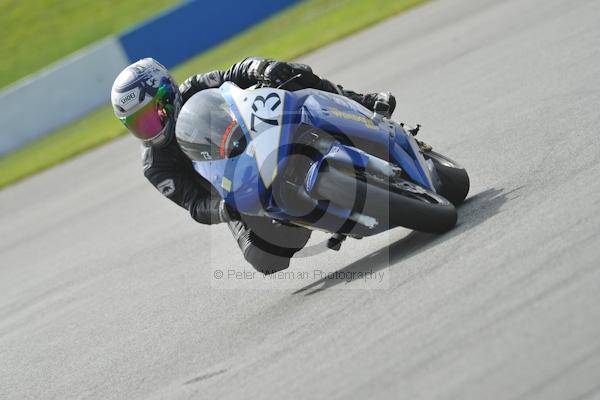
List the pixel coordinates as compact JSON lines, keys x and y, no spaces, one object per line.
{"x":391,"y":204}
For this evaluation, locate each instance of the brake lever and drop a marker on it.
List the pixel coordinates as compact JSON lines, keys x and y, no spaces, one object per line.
{"x":293,"y":78}
{"x":411,"y":130}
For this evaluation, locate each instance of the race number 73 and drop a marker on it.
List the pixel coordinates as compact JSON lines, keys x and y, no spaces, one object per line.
{"x":260,"y":103}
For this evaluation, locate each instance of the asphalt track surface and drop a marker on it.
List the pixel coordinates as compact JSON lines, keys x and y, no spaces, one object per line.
{"x":107,"y":291}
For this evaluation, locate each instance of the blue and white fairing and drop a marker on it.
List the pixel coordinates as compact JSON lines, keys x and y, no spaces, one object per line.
{"x":339,"y":114}
{"x":266,"y":117}
{"x":269,"y":118}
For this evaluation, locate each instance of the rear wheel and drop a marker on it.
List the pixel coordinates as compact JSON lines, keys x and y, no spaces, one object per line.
{"x":392,"y":204}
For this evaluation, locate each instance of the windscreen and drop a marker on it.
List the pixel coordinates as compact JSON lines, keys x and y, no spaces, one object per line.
{"x":206,"y":129}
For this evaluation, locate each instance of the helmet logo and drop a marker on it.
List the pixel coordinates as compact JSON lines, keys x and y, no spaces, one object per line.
{"x":127,"y":99}
{"x":146,"y":85}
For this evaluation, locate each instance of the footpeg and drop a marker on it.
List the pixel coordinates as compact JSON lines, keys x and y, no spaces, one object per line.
{"x":335,"y":241}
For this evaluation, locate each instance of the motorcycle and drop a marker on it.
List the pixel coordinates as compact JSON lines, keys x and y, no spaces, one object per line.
{"x":318,"y":160}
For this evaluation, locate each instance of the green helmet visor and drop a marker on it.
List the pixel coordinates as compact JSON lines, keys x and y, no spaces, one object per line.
{"x":149,"y":121}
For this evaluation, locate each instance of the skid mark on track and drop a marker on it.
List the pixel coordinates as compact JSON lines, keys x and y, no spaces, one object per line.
{"x":206,"y":376}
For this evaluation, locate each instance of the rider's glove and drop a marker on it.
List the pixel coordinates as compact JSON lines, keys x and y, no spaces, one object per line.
{"x":386,"y":98}
{"x":278,"y":72}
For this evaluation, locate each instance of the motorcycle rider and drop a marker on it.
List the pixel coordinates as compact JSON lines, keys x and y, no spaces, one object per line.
{"x":147,"y":101}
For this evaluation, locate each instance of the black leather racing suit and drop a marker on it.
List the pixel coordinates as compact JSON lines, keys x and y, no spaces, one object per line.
{"x":265,"y":244}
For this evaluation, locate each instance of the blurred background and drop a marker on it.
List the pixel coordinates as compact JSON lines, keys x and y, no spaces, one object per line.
{"x":59,"y":58}
{"x":107,"y":290}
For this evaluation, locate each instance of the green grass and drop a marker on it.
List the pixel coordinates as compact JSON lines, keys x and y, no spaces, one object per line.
{"x":36,"y":33}
{"x":289,"y":34}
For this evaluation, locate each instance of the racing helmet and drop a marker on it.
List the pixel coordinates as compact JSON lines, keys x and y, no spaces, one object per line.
{"x":146,"y":99}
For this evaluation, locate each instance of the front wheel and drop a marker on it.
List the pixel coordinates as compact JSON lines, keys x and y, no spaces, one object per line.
{"x":454,"y":178}
{"x":392,"y":204}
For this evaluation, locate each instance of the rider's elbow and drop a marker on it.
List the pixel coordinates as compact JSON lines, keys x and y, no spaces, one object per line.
{"x":206,"y":218}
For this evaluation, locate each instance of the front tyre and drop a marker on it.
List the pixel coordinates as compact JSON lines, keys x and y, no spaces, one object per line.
{"x":454,"y":178}
{"x":392,"y":204}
